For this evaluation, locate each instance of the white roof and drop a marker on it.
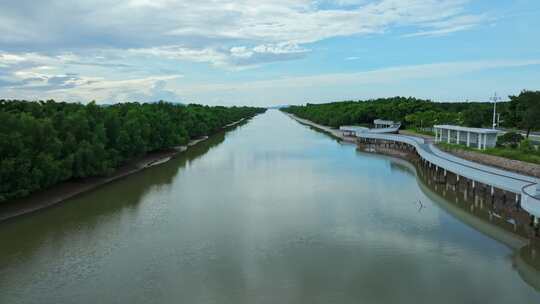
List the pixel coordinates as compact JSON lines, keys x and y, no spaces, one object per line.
{"x":383,"y":122}
{"x":466,"y":129}
{"x":353,"y":128}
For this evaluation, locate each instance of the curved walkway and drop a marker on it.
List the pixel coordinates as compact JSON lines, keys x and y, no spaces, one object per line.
{"x":520,"y":184}
{"x":523,"y":185}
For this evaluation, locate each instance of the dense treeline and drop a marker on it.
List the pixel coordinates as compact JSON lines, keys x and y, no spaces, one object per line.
{"x":43,"y":143}
{"x":522,"y":111}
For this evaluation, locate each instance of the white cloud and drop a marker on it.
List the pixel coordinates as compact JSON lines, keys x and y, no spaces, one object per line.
{"x":224,"y":33}
{"x":42,"y":72}
{"x":383,"y":75}
{"x":203,"y":23}
{"x":32,"y":75}
{"x":147,"y":41}
{"x":75,"y":88}
{"x":295,"y":89}
{"x":451,"y":25}
{"x":233,"y":57}
{"x":325,"y":87}
{"x":11,"y":59}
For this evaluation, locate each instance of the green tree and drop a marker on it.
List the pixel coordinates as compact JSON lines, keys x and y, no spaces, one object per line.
{"x":510,"y":139}
{"x":526,"y":108}
{"x":45,"y":142}
{"x":474,"y":117}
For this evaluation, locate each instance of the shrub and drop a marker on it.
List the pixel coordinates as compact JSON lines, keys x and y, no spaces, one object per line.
{"x":510,"y":139}
{"x":526,"y":146}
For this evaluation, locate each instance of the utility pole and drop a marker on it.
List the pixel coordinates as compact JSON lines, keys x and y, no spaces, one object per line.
{"x":495,"y":98}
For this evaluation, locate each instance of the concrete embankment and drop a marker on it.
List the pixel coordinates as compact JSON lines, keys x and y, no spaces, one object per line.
{"x":330,"y":131}
{"x":337,"y":134}
{"x":516,"y":166}
{"x":525,"y":189}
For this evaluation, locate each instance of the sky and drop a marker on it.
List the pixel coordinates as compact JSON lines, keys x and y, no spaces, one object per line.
{"x":267,"y":52}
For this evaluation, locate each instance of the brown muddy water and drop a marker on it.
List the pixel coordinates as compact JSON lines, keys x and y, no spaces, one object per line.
{"x":271,"y":212}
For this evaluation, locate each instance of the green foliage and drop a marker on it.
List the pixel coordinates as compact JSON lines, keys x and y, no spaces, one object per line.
{"x":477,"y":116}
{"x":431,"y":118}
{"x":510,"y":139}
{"x":419,"y":115}
{"x":44,"y":143}
{"x":527,"y":146}
{"x":421,"y":131}
{"x":412,"y":112}
{"x":516,"y":154}
{"x":525,"y":110}
{"x":527,"y":154}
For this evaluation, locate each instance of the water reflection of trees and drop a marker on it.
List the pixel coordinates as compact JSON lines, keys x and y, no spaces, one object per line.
{"x":94,"y":210}
{"x":491,"y":218}
{"x":526,"y":262}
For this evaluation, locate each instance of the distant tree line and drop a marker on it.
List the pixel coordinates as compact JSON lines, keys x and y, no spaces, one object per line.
{"x":522,"y":111}
{"x":46,"y":142}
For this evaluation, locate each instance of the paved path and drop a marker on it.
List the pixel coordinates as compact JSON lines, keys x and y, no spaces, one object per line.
{"x":525,"y":186}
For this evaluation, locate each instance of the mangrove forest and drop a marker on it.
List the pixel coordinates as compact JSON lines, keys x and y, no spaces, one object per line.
{"x":43,"y":143}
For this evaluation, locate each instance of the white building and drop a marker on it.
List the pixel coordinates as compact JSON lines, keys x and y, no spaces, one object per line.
{"x":471,"y":137}
{"x":352,"y":130}
{"x":381,"y":124}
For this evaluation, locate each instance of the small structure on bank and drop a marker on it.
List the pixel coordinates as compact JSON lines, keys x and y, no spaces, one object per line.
{"x":383,"y":124}
{"x":471,"y":137}
{"x":352,"y":131}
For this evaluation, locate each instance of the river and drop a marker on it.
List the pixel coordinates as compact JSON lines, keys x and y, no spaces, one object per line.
{"x":270,"y":212}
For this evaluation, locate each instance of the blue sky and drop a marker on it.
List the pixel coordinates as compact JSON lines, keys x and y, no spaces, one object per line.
{"x":267,"y":52}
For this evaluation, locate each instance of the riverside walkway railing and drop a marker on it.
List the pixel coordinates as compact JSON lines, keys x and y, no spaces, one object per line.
{"x":525,"y":186}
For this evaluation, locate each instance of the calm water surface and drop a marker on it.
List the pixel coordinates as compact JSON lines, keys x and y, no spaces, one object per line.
{"x":272,"y":212}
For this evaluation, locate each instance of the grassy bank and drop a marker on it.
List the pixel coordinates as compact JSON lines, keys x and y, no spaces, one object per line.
{"x":510,"y":153}
{"x":420,"y":131}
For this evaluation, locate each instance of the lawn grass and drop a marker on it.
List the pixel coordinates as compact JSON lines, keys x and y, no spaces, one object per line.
{"x":515,"y":154}
{"x":420,"y":131}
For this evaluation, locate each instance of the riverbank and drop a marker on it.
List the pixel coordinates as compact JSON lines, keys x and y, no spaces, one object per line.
{"x":270,"y":193}
{"x":413,"y":133}
{"x":331,"y":131}
{"x":339,"y":135}
{"x":69,"y":189}
{"x":516,"y":214}
{"x":511,"y":165}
